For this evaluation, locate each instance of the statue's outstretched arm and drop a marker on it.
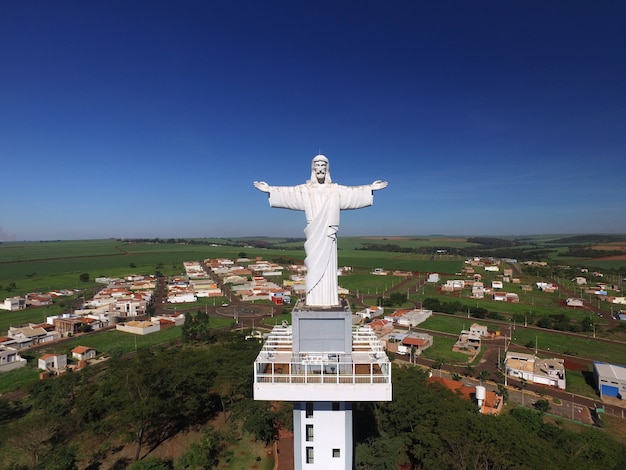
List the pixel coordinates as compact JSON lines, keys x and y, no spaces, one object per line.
{"x":262,"y":186}
{"x":378,"y":184}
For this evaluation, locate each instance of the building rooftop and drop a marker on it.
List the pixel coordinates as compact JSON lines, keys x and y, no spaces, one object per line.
{"x":364,"y":374}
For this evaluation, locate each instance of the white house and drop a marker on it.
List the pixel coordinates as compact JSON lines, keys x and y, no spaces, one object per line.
{"x":10,"y":359}
{"x":13,"y":303}
{"x":139,"y":327}
{"x":370,"y":312}
{"x":181,"y":297}
{"x":83,"y":353}
{"x":408,"y":318}
{"x":478,"y":290}
{"x":55,"y":362}
{"x":574,"y":302}
{"x":532,"y":369}
{"x":479,"y":329}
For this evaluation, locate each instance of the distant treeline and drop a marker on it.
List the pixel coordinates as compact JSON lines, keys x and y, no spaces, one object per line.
{"x":247,"y":242}
{"x":578,"y":251}
{"x":494,"y":247}
{"x":597,"y":238}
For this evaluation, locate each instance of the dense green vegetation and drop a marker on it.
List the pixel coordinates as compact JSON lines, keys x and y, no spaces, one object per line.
{"x":427,"y":426}
{"x":139,"y":400}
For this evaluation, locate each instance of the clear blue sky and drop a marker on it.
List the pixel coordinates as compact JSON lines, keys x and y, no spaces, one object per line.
{"x":153,"y":118}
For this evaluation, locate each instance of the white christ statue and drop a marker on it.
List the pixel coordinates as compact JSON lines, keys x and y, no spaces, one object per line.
{"x":321,"y":200}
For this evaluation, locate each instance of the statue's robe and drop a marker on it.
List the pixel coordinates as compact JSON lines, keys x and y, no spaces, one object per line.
{"x":321,"y":204}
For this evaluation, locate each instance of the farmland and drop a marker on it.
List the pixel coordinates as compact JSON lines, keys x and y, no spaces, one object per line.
{"x":44,"y":266}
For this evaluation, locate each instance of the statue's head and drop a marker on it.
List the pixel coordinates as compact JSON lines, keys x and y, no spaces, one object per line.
{"x":320,"y":170}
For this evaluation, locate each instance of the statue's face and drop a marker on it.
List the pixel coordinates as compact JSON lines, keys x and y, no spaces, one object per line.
{"x":320,"y":168}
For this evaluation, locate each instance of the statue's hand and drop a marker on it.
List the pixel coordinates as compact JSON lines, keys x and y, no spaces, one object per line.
{"x":378,"y":184}
{"x":262,"y":186}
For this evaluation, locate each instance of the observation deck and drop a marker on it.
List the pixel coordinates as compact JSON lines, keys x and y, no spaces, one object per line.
{"x":364,"y":374}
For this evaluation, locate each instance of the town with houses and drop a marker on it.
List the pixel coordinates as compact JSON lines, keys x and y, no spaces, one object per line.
{"x":124,"y":304}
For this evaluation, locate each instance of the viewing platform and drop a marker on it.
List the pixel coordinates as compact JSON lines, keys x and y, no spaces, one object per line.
{"x":362,"y":375}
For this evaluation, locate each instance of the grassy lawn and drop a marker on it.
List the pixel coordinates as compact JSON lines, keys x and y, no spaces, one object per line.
{"x":246,"y":453}
{"x":577,"y":384}
{"x":30,"y":315}
{"x":18,"y":378}
{"x":450,"y":323}
{"x":441,"y":350}
{"x":547,"y":340}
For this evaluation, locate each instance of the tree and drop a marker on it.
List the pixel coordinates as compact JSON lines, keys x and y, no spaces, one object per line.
{"x":32,"y":435}
{"x":260,"y":422}
{"x":503,"y":392}
{"x":397,"y":298}
{"x":587,"y":324}
{"x":431,"y":303}
{"x":84,"y":277}
{"x":528,"y":418}
{"x":204,"y":453}
{"x":542,"y":405}
{"x":157,"y":394}
{"x":152,"y":463}
{"x":197,"y":328}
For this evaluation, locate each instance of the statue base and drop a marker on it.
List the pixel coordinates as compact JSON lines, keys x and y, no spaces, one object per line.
{"x":322,"y":329}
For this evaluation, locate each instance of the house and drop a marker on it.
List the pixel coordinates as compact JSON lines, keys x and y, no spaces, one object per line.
{"x":478,"y":290}
{"x":506,"y":297}
{"x":533,"y":369}
{"x":13,"y":303}
{"x":610,"y":380}
{"x":370,"y":312}
{"x":468,"y":343}
{"x":83,"y":353}
{"x":419,"y":341}
{"x":480,"y":330}
{"x":488,"y":402}
{"x":53,"y":362}
{"x":409,"y":317}
{"x":139,"y":327}
{"x":433,"y":278}
{"x":499,"y":296}
{"x":452,"y":285}
{"x":68,"y":325}
{"x":10,"y":359}
{"x":547,"y":287}
{"x":28,"y":336}
{"x":402,"y":273}
{"x":381,"y":326}
{"x":580,"y":280}
{"x":574,"y":302}
{"x":38,"y":300}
